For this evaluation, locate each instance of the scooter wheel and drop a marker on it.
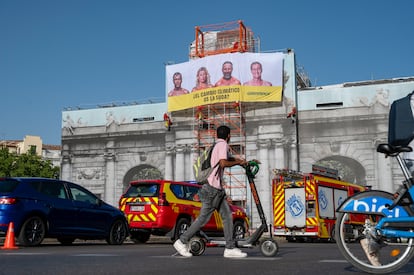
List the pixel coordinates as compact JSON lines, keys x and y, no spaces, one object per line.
{"x":269,"y":247}
{"x":197,"y":246}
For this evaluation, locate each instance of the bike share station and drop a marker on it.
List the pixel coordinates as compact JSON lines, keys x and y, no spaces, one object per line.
{"x":268,"y":245}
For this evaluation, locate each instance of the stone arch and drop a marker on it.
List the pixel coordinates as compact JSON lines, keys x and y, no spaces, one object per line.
{"x":143,"y":171}
{"x":349,"y":169}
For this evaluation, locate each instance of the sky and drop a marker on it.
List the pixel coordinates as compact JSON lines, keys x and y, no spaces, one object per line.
{"x":67,"y":53}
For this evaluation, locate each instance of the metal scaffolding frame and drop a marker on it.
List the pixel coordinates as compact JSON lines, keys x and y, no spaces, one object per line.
{"x":213,"y":40}
{"x":207,"y":119}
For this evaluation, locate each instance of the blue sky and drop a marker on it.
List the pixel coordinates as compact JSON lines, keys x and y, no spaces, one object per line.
{"x":67,"y":53}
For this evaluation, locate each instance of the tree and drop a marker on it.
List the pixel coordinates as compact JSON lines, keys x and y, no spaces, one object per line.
{"x":26,"y":165}
{"x":6,"y":162}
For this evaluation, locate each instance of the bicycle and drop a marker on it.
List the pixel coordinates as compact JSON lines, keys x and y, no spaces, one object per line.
{"x":383,"y":239}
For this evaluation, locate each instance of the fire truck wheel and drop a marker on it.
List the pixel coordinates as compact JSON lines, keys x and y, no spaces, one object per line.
{"x":140,"y":237}
{"x":269,"y":247}
{"x":197,"y":246}
{"x":181,"y":226}
{"x":290,"y":239}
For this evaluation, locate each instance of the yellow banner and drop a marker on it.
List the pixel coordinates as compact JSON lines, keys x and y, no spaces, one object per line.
{"x":241,"y":77}
{"x":261,"y":94}
{"x":225,"y":94}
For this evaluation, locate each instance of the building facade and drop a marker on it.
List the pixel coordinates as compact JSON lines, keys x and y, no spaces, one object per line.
{"x":105,"y":148}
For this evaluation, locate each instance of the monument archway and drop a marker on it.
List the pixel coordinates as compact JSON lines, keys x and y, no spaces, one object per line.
{"x":141,"y":172}
{"x":348,"y":169}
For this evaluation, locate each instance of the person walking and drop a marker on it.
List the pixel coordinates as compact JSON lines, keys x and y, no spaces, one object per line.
{"x":220,"y":159}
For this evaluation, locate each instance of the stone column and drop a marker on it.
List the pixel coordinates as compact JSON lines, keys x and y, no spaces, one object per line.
{"x":263,"y":184}
{"x":187,"y":163}
{"x":293,"y":156}
{"x":66,"y":165}
{"x":110,"y":180}
{"x":179,"y":163}
{"x":279,"y":154}
{"x":385,"y":180}
{"x":169,"y":175}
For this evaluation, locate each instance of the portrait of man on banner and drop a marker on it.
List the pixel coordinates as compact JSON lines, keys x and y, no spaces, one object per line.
{"x":257,"y":69}
{"x":177,"y":90}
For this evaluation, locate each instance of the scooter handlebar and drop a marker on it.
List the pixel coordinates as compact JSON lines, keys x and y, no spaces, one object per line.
{"x":252,"y":168}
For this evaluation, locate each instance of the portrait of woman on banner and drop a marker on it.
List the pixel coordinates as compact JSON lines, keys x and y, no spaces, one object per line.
{"x":202,"y":79}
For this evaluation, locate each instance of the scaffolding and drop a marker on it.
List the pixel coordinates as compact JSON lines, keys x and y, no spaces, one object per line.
{"x":222,"y":38}
{"x":207,"y":119}
{"x":217,"y":39}
{"x":212,"y":40}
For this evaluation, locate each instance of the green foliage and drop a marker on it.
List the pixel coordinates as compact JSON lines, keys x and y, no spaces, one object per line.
{"x":26,"y":165}
{"x":6,"y":162}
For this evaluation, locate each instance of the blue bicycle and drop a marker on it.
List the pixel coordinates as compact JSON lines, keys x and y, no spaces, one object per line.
{"x":383,"y":239}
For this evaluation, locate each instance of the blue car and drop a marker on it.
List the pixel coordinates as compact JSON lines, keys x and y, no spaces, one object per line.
{"x":49,"y":208}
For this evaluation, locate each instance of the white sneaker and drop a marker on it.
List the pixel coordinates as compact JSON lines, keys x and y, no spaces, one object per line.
{"x":182,"y":248}
{"x":234,"y":253}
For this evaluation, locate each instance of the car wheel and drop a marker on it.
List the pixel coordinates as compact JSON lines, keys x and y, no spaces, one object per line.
{"x":33,"y":232}
{"x":239,"y":230}
{"x":118,"y":233}
{"x":66,"y":240}
{"x":182,"y":225}
{"x":141,"y":237}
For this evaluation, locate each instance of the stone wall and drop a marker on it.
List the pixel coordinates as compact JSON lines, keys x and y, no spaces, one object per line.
{"x":103,"y":158}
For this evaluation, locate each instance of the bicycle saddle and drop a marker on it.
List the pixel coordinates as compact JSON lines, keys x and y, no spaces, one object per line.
{"x":391,"y":150}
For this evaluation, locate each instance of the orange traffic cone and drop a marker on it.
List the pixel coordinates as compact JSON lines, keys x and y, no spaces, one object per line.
{"x":9,"y":243}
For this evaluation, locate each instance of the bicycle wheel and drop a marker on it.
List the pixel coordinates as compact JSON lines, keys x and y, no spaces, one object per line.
{"x":376,"y":254}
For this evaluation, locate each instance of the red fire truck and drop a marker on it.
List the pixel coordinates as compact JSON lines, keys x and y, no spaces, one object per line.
{"x":304,"y":204}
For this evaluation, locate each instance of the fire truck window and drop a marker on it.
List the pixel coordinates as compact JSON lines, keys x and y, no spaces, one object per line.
{"x":310,"y":208}
{"x":191,"y":193}
{"x":178,"y":190}
{"x":142,"y":190}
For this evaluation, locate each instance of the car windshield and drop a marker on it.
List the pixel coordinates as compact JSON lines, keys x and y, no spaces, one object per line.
{"x":143,"y":190}
{"x":7,"y":186}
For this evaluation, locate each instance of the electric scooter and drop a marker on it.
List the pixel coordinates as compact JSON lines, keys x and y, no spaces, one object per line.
{"x":268,"y":246}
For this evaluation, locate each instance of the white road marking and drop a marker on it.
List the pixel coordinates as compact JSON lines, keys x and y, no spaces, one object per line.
{"x":333,"y":261}
{"x":94,"y":255}
{"x":257,"y":258}
{"x":247,"y":258}
{"x":24,"y":253}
